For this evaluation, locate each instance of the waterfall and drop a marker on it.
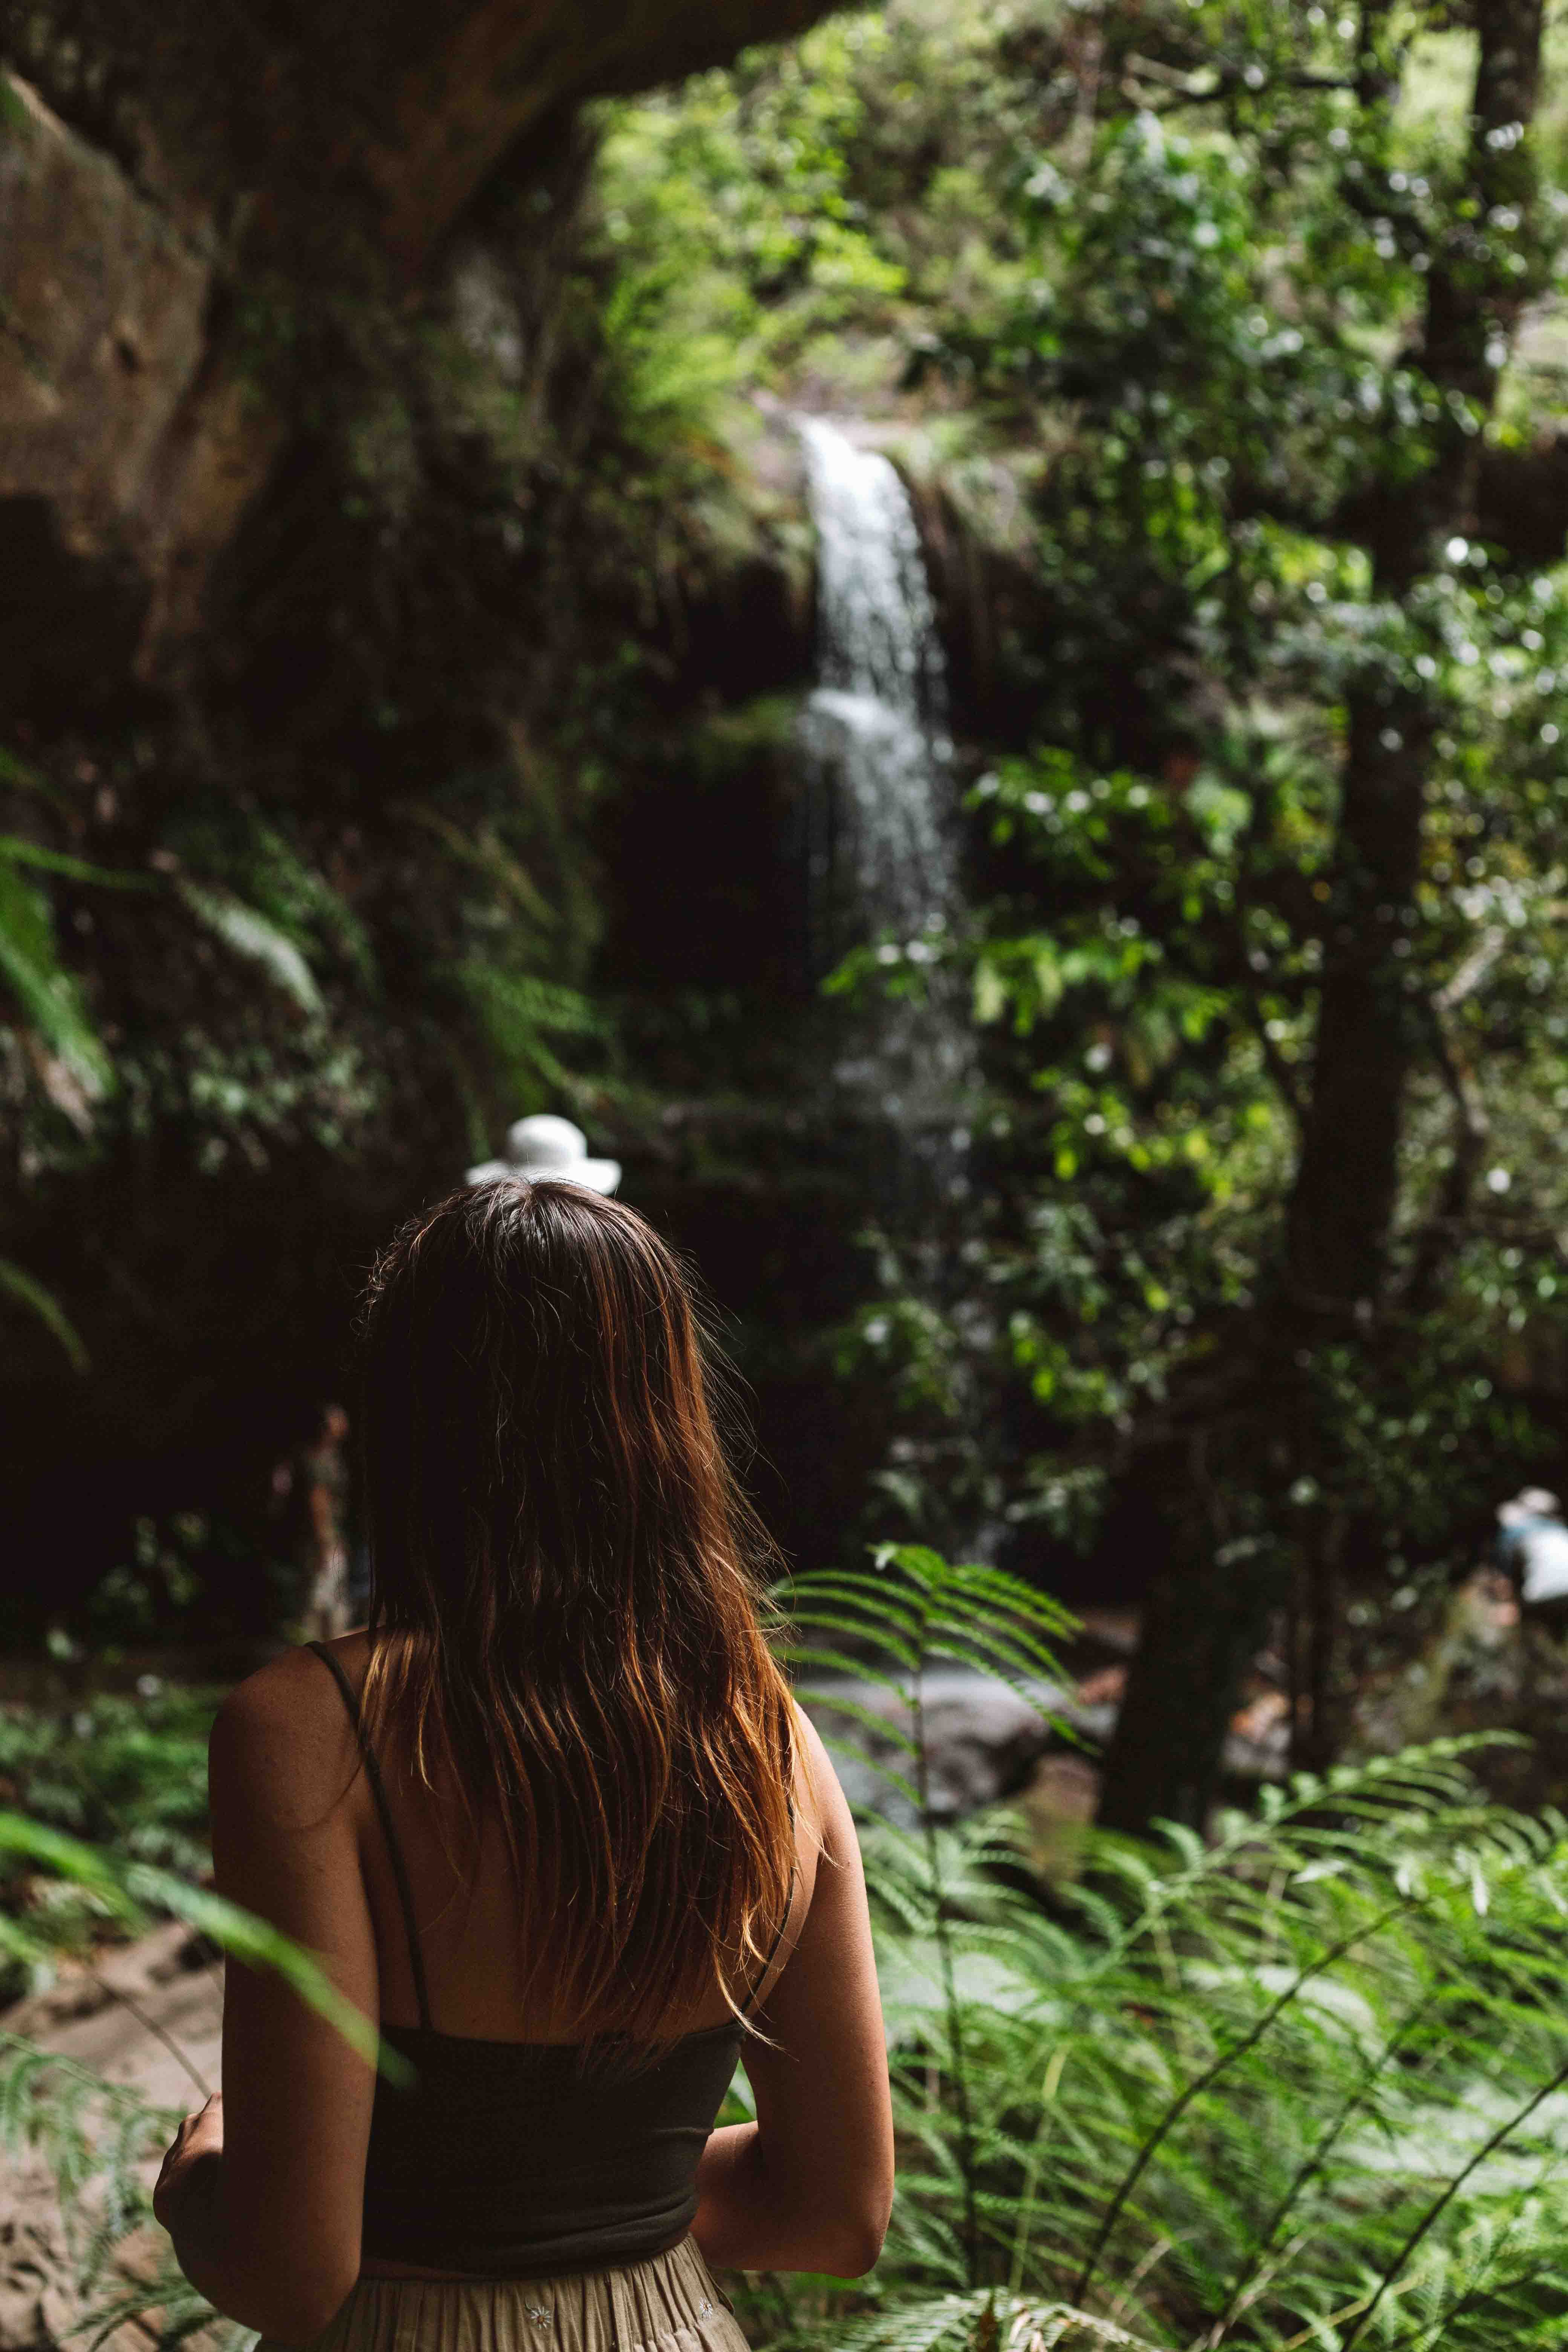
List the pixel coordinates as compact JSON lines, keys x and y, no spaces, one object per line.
{"x":873,"y":723}
{"x":881,"y":856}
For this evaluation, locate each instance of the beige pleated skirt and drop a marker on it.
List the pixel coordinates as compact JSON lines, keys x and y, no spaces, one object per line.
{"x":668,"y":2304}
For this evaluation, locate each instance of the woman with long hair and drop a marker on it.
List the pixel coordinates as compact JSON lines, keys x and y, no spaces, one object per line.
{"x":553,"y":1822}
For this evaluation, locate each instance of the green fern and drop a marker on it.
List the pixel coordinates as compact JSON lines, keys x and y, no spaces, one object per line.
{"x":96,"y":2137}
{"x":126,"y":1772}
{"x":40,"y":1302}
{"x":235,"y":860}
{"x":516,"y":1013}
{"x":248,"y":933}
{"x":1304,"y":2085}
{"x":43,"y":991}
{"x":48,"y":1001}
{"x":135,"y":1893}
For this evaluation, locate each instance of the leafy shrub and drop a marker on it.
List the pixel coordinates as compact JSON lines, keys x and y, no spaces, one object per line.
{"x":129,"y":1773}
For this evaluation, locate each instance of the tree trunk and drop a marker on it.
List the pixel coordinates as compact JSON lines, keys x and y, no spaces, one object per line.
{"x":1370,"y":1025}
{"x":1201,"y":1629}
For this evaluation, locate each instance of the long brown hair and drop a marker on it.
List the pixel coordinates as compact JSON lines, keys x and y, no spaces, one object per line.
{"x":566,"y":1594}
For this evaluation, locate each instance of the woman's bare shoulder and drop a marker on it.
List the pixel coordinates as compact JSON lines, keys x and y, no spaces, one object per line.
{"x":283,"y":1738}
{"x":819,"y":1799}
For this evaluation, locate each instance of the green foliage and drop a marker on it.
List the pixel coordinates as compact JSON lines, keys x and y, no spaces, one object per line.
{"x":235,"y":878}
{"x":1303,"y":2085}
{"x":16,"y":1283}
{"x":132,"y":1893}
{"x":246,"y":933}
{"x":125,"y":1772}
{"x":815,"y":198}
{"x":158,"y":1586}
{"x":75,"y":1069}
{"x":40,"y":986}
{"x":125,"y":1776}
{"x":139,"y":1776}
{"x":516,"y":1013}
{"x":887,"y":1630}
{"x":147,"y":1779}
{"x":45,"y":996}
{"x":1206,"y":362}
{"x":259,"y":866}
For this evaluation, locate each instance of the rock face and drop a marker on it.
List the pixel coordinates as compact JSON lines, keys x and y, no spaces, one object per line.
{"x":102,"y":318}
{"x":177,"y":187}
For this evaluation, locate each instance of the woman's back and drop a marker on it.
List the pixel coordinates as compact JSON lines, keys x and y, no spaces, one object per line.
{"x":554,"y":1824}
{"x":464,"y":1901}
{"x":516,"y":2150}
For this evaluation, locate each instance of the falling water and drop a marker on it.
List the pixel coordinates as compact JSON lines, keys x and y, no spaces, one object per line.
{"x":882,"y":859}
{"x":873,"y":723}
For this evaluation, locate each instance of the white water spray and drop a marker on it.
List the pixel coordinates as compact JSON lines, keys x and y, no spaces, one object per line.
{"x":882,"y":861}
{"x":875,"y":722}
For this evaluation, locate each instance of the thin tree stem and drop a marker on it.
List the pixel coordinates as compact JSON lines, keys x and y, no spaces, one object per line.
{"x":1439,"y":2206}
{"x":957,"y":2057}
{"x":171,"y":2042}
{"x":1210,"y":2073}
{"x":1311,"y":2165}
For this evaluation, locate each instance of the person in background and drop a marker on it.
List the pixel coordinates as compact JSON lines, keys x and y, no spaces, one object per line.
{"x":358,"y":1581}
{"x":1532,"y":1553}
{"x":324,"y":1478}
{"x":308,"y":1505}
{"x":555,"y":1826}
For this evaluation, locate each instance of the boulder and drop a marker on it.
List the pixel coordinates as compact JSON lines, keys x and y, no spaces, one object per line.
{"x":984,"y":1737}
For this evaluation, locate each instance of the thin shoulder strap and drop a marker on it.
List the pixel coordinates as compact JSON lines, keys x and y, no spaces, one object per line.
{"x":747,"y":2005}
{"x":762,"y":1978}
{"x":395,"y":1851}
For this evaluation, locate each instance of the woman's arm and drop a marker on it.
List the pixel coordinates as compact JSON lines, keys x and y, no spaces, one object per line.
{"x":809,"y":2185}
{"x":262,"y":2192}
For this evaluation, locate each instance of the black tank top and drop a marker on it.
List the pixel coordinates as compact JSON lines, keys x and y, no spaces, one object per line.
{"x":514,"y":2159}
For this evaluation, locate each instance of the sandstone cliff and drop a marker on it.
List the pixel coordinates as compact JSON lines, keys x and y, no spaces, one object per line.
{"x":181,"y":186}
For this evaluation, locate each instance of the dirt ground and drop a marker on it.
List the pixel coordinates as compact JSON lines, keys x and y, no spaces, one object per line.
{"x":148,"y":2014}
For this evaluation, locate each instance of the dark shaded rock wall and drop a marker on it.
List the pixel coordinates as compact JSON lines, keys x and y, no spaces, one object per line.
{"x":180,"y":184}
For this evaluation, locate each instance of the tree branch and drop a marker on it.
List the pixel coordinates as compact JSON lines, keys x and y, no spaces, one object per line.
{"x":1219,"y":78}
{"x":1476,"y":967}
{"x":1521,"y":503}
{"x":1376,"y":81}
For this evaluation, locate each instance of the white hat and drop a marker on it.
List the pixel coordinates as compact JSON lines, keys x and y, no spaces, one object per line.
{"x":548,"y":1147}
